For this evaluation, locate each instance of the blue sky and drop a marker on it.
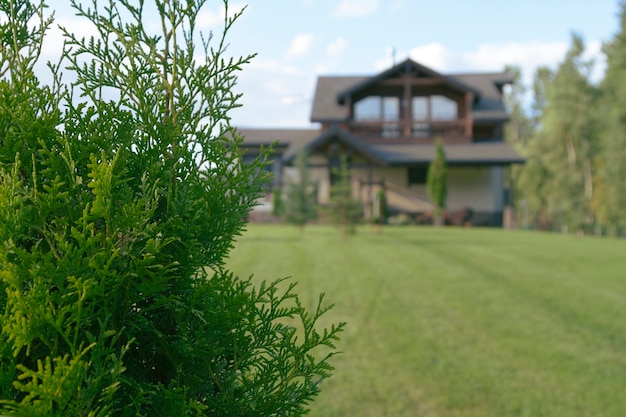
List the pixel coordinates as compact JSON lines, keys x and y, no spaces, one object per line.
{"x":298,"y":40}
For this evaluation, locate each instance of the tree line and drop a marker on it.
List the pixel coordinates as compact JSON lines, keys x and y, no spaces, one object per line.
{"x":573,"y":136}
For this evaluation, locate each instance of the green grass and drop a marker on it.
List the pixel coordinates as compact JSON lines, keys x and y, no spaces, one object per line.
{"x":459,"y":322}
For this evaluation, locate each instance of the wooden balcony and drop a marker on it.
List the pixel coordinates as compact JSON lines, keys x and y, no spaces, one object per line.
{"x":425,"y":129}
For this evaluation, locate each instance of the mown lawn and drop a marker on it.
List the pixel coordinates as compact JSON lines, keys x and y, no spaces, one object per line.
{"x":459,"y":322}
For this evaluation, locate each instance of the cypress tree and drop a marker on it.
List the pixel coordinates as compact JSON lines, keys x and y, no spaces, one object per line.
{"x":437,"y":183}
{"x":299,"y":205}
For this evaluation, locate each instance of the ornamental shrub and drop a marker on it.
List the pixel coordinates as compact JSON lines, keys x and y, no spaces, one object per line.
{"x":300,"y":203}
{"x":120,"y":197}
{"x":437,"y":183}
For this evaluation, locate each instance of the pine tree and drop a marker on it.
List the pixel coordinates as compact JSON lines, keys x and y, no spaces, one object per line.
{"x":611,"y":199}
{"x":346,"y":211}
{"x":565,"y":147}
{"x":116,"y":217}
{"x":519,"y":128}
{"x":531,"y":179}
{"x":299,"y":205}
{"x":437,"y":183}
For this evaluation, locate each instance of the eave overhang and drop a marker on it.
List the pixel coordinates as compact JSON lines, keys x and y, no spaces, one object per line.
{"x":406,"y":67}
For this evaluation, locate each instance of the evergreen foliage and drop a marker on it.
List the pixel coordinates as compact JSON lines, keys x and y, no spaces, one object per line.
{"x":380,"y":211}
{"x":437,"y":182}
{"x":520,"y":127}
{"x":299,"y":206}
{"x":611,"y":183}
{"x":346,"y":211}
{"x":116,"y":216}
{"x":558,"y":180}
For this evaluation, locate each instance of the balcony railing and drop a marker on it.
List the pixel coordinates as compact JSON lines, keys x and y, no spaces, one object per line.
{"x":413,"y":128}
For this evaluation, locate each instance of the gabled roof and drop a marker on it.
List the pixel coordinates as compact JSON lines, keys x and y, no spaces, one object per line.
{"x":286,"y":141}
{"x":342,"y":136}
{"x":406,"y":67}
{"x":475,"y":154}
{"x":291,"y":141}
{"x":326,"y":108}
{"x":488,"y":105}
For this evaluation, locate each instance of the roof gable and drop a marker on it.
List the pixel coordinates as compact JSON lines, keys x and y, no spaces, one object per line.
{"x":342,"y":136}
{"x":487,"y":105}
{"x":406,"y":67}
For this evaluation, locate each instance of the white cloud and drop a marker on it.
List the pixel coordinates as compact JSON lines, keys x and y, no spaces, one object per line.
{"x":356,"y":8}
{"x":211,"y":18}
{"x":396,"y":5}
{"x":300,"y":45}
{"x":434,"y":55}
{"x":336,"y":47}
{"x":494,"y":57}
{"x":269,"y":67}
{"x":526,"y":56}
{"x":594,"y":52}
{"x":53,"y":42}
{"x":275,"y":95}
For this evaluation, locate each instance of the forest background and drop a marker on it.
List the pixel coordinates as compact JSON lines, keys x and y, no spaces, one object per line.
{"x":573,"y":136}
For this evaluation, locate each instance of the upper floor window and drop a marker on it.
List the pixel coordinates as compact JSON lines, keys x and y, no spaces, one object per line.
{"x":434,"y":107}
{"x":377,"y":108}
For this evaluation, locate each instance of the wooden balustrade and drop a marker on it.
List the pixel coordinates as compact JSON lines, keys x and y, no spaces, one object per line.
{"x":412,"y":129}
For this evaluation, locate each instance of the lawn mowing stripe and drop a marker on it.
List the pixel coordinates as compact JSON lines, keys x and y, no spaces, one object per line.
{"x":457,"y":322}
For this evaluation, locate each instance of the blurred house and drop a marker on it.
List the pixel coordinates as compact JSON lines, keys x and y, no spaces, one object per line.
{"x":386,"y":125}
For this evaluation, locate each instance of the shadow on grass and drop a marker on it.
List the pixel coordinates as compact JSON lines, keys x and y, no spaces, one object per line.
{"x":274,"y":239}
{"x":420,"y":241}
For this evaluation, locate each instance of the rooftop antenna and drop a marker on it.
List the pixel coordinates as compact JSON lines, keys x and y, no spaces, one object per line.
{"x":393,"y":56}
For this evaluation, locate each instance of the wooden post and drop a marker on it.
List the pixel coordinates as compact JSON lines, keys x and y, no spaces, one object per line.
{"x":406,"y":108}
{"x":469,"y":117}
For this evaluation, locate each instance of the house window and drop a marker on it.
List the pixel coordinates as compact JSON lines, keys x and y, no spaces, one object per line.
{"x":421,"y":108}
{"x":367,"y":109}
{"x":443,"y":108}
{"x":435,"y":107}
{"x":377,"y":108}
{"x":391,"y":108}
{"x":417,"y":174}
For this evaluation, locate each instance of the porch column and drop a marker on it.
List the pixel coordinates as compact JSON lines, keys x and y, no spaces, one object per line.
{"x":368,"y":204}
{"x":406,"y":115}
{"x":469,"y":117}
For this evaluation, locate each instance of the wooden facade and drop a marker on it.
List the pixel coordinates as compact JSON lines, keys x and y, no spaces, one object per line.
{"x":388,"y":123}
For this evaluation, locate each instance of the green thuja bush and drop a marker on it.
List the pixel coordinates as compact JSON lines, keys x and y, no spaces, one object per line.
{"x":120,"y":196}
{"x":300,"y":202}
{"x":346,"y":211}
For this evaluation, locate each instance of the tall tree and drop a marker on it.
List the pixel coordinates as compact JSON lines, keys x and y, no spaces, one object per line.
{"x":518,"y":132}
{"x":520,"y":127}
{"x":437,"y":182}
{"x":299,"y":205}
{"x":116,"y":217}
{"x":532,"y":178}
{"x":346,"y":211}
{"x":567,"y":144}
{"x":611,"y":183}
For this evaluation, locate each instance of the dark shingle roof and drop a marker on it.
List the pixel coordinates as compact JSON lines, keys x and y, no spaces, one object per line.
{"x":343,"y":136}
{"x":325,"y":104}
{"x":488,"y":106}
{"x":406,"y":67}
{"x":487,"y":153}
{"x":291,"y":140}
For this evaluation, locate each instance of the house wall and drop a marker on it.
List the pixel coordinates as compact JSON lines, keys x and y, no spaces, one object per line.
{"x":475,"y":188}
